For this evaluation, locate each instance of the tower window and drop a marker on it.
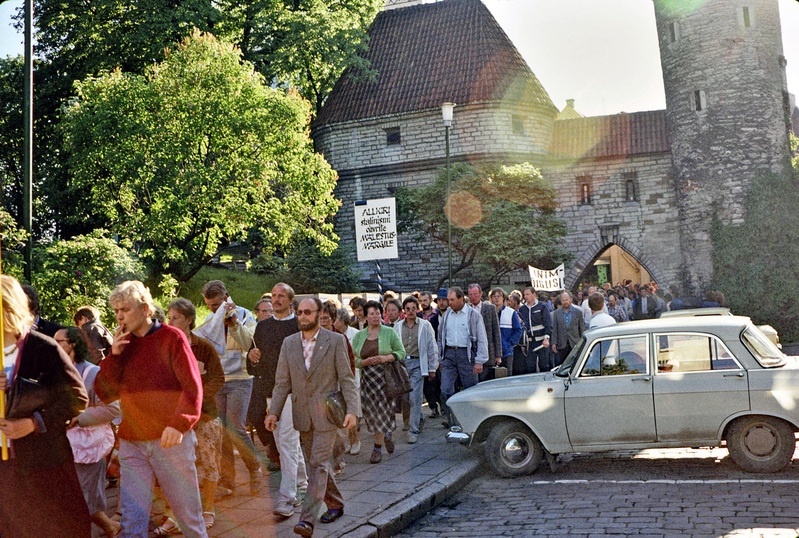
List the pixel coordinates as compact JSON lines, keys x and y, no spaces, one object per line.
{"x":517,"y":124}
{"x":700,"y":100}
{"x":585,"y":189}
{"x":674,"y":32}
{"x":746,"y":17}
{"x":630,"y":186}
{"x":393,"y":137}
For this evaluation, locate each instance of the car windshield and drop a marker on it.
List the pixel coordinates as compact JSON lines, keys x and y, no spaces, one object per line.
{"x":764,"y":350}
{"x":568,"y":364}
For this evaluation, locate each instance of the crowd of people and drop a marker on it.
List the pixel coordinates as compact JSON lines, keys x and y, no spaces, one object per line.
{"x":181,"y":399}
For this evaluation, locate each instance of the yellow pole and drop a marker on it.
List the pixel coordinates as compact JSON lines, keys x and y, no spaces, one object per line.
{"x":3,"y":440}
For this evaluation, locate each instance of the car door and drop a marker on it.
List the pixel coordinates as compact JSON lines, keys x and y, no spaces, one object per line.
{"x":699,"y":383}
{"x":609,"y":399}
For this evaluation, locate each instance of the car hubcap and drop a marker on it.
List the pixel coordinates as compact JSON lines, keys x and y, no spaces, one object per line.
{"x":761,"y":441}
{"x":516,"y":450}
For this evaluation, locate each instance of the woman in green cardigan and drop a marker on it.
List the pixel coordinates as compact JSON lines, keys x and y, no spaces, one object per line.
{"x":374,"y":346}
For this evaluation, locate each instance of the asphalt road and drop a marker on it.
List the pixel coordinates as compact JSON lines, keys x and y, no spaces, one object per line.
{"x":685,"y":492}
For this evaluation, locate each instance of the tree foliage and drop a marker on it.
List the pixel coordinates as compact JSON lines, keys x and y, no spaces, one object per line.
{"x":81,"y":271}
{"x":754,"y":263}
{"x":12,"y":239}
{"x":186,"y":158}
{"x":503,"y":218}
{"x":304,"y":44}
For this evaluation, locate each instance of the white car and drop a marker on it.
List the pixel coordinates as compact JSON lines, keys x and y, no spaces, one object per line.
{"x":678,"y":382}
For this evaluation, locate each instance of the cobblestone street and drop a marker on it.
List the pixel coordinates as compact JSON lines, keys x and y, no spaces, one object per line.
{"x":685,"y":492}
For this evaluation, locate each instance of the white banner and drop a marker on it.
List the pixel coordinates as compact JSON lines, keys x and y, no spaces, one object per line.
{"x":376,"y":229}
{"x":543,"y":280}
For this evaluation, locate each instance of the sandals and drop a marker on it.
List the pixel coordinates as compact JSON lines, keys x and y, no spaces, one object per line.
{"x":168,"y":528}
{"x":209,"y":518}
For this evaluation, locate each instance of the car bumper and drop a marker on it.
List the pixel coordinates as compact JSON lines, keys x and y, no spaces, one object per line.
{"x":456,"y":435}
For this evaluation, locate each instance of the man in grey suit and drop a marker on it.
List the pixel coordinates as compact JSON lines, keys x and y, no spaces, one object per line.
{"x":568,"y":325}
{"x":314,"y":363}
{"x":491,"y":321}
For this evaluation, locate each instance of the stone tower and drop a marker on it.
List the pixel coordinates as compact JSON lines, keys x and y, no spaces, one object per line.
{"x":727,"y":113}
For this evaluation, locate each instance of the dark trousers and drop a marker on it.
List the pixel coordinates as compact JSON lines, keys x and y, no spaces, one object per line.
{"x":563,"y":352}
{"x":256,"y":414}
{"x":317,"y":448}
{"x":432,"y":391}
{"x":519,"y":361}
{"x":540,"y":360}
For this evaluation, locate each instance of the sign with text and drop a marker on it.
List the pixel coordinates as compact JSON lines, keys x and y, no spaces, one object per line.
{"x":376,"y":229}
{"x":543,"y":280}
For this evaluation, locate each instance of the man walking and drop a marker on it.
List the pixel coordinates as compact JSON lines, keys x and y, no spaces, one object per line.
{"x":313,"y":364}
{"x":462,"y":344}
{"x":537,"y":323}
{"x":491,"y":321}
{"x":421,"y":359}
{"x":568,"y":325}
{"x":152,"y":370}
{"x":268,"y":339}
{"x":229,"y":328}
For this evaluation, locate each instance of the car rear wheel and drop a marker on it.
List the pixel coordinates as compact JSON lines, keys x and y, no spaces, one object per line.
{"x":761,"y":444}
{"x":513,"y":450}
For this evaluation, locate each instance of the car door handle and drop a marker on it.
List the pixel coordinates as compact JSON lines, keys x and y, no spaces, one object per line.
{"x":738,"y":374}
{"x":645,"y":378}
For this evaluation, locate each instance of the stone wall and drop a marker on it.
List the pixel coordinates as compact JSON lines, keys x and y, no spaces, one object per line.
{"x":725,"y":57}
{"x":647,"y":226}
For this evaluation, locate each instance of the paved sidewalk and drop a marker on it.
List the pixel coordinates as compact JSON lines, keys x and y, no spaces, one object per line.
{"x":380,"y":500}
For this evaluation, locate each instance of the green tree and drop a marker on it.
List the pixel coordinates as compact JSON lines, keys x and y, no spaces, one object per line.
{"x":503,"y":218}
{"x":12,"y":239}
{"x":81,"y":271}
{"x":304,"y":44}
{"x":754,"y":263}
{"x":11,"y":135}
{"x":185,"y":159}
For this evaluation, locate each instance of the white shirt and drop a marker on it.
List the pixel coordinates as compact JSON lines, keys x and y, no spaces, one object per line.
{"x":458,"y":328}
{"x":601,"y":320}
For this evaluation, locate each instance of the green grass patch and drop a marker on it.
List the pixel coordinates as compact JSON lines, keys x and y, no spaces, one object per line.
{"x":244,"y":288}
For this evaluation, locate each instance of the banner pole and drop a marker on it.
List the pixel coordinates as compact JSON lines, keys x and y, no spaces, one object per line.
{"x":3,"y":440}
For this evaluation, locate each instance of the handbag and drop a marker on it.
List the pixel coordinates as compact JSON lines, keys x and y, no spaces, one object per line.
{"x":90,"y":444}
{"x":27,"y":396}
{"x":336,"y":408}
{"x":397,"y":380}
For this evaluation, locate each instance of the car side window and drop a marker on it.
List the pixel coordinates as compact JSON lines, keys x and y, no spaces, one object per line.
{"x":693,"y":353}
{"x":616,"y":356}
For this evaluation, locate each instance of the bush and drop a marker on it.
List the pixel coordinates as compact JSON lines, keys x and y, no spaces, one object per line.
{"x":12,"y":238}
{"x":81,"y":271}
{"x":309,"y":271}
{"x":755,"y":263}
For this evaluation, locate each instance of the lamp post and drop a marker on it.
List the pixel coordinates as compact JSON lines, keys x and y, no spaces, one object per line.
{"x":446,"y":113}
{"x":27,"y":165}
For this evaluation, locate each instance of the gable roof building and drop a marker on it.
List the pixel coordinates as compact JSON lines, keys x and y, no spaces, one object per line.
{"x":615,"y":174}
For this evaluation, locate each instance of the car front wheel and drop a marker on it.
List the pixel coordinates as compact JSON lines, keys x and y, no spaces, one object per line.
{"x":761,"y":444}
{"x":513,"y":450}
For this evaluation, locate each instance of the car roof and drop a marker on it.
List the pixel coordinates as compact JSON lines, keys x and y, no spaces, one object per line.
{"x":676,"y":323}
{"x":712,"y":311}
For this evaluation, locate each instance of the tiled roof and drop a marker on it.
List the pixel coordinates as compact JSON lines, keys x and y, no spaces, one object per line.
{"x":610,"y":136}
{"x":428,"y":54}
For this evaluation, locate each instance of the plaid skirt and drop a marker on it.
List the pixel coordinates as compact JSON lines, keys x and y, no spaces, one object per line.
{"x":378,"y":412}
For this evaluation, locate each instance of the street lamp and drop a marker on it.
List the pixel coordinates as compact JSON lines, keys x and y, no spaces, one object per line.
{"x":446,"y":113}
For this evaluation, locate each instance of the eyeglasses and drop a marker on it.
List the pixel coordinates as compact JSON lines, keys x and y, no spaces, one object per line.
{"x":61,"y":340}
{"x":410,"y":309}
{"x":306,"y":312}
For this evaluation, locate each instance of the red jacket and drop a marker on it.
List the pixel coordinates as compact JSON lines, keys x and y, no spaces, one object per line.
{"x":157,"y":380}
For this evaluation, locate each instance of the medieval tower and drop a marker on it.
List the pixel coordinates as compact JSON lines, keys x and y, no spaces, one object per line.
{"x":727,"y":109}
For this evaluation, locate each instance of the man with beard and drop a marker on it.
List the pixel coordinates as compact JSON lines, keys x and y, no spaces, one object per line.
{"x":312,"y":364}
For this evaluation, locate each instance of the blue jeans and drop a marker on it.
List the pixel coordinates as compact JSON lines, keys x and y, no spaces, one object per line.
{"x":417,"y":384}
{"x":538,"y":361}
{"x":141,"y":462}
{"x":233,"y":400}
{"x":456,"y":364}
